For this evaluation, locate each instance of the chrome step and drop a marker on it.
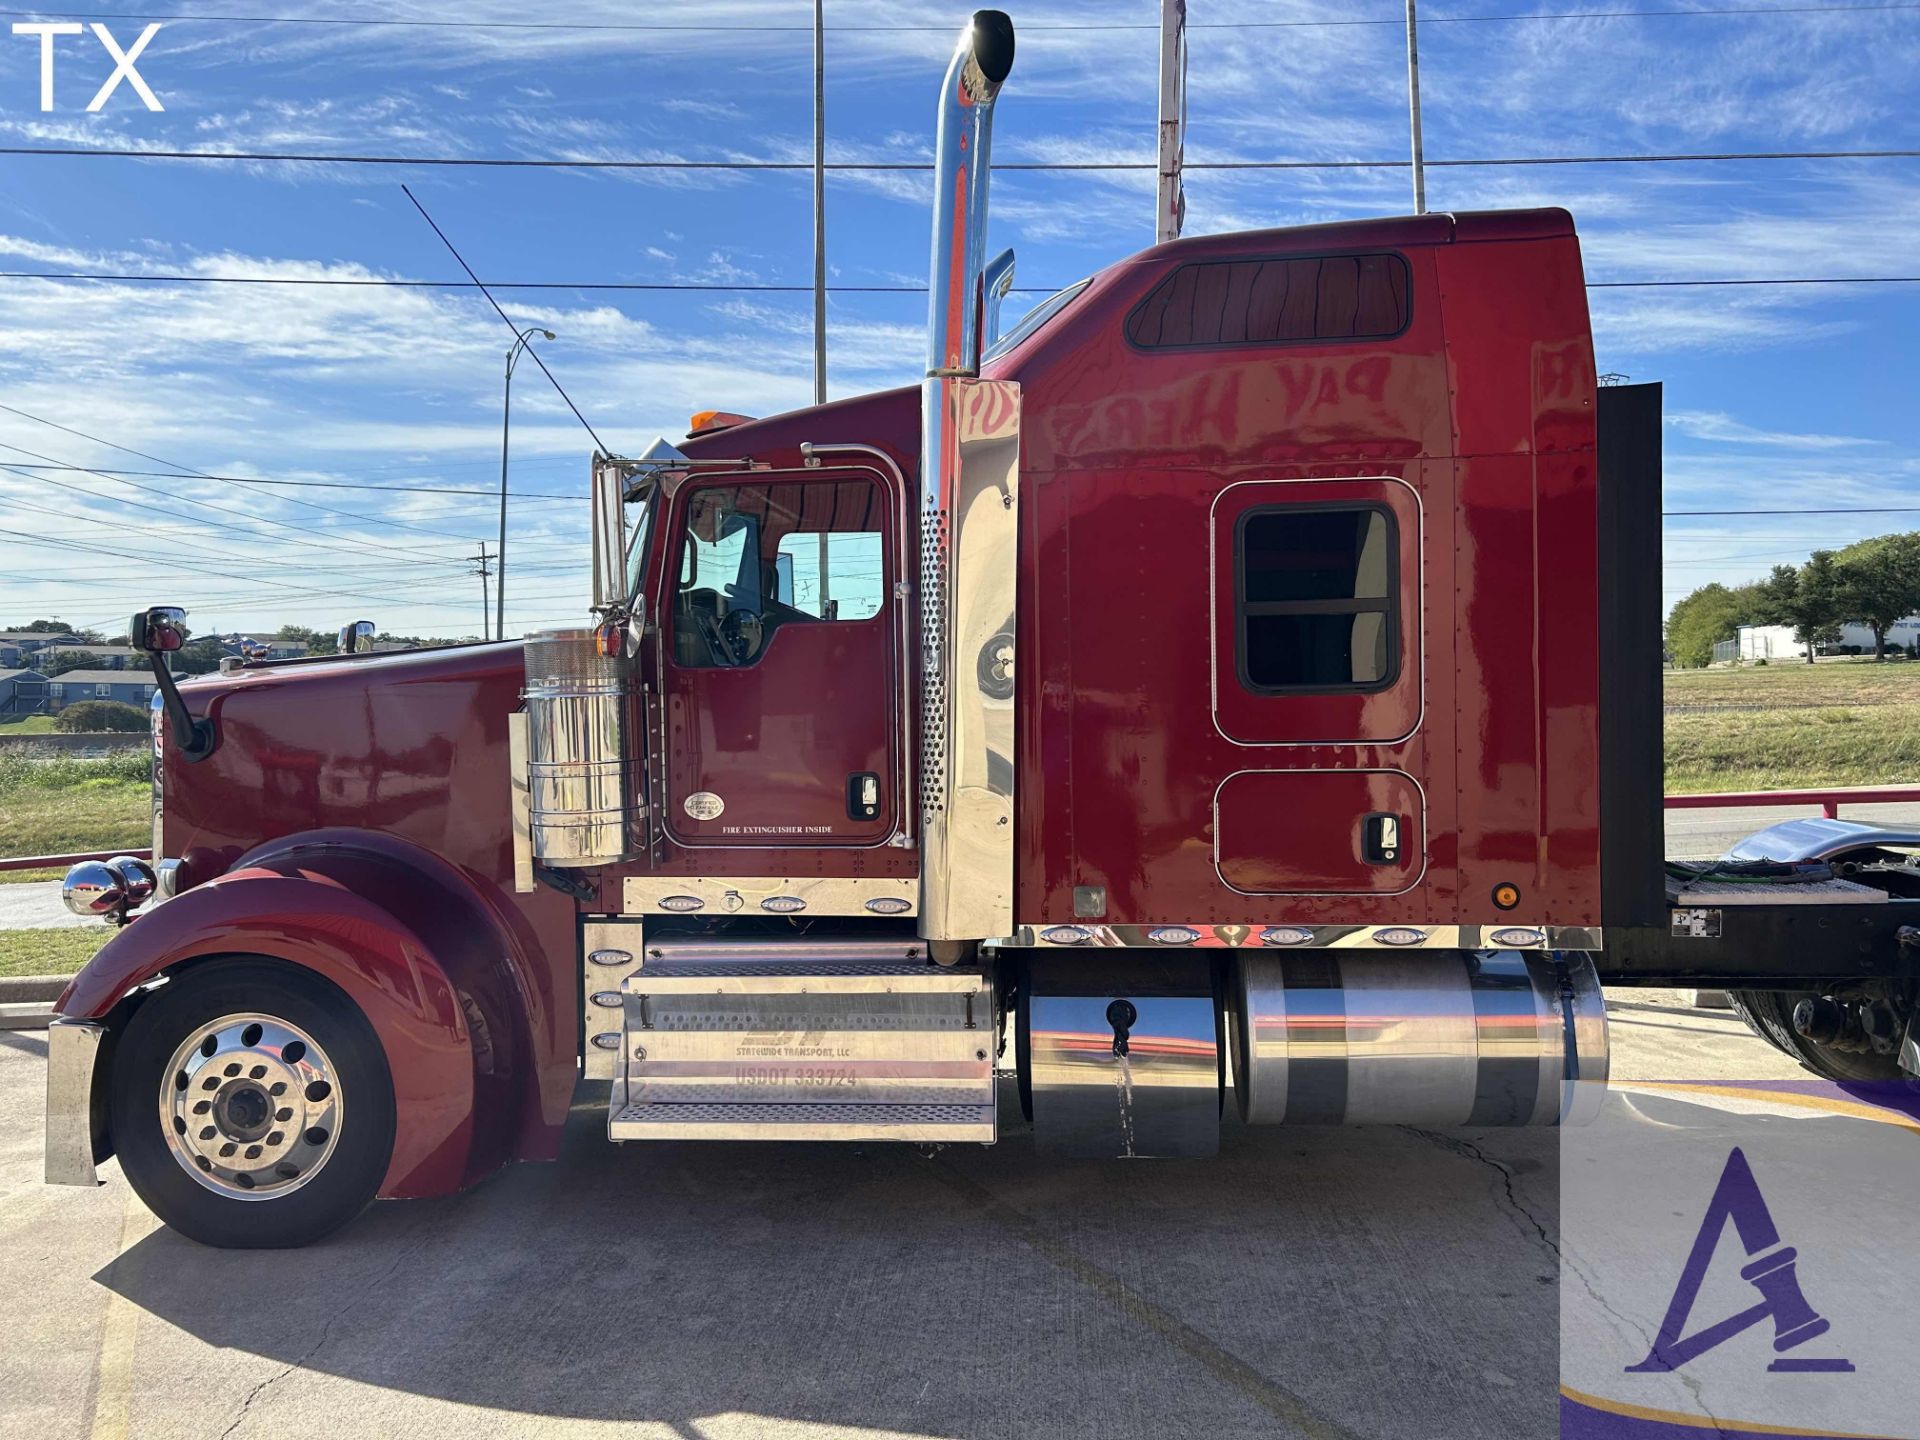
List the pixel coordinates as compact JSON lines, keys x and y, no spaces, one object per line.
{"x":803,"y":1040}
{"x":927,"y":1123}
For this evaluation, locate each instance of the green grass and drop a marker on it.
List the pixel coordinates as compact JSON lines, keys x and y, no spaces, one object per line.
{"x":1797,"y":726}
{"x":11,"y":725}
{"x":64,"y":804}
{"x":50,"y":952}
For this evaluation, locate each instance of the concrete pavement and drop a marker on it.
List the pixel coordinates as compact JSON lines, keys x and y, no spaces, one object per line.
{"x":1703,"y":834}
{"x":1326,"y":1283}
{"x":35,"y":905}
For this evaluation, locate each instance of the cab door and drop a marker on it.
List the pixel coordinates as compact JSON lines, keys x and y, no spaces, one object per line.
{"x":1318,"y":680}
{"x":781,"y":660}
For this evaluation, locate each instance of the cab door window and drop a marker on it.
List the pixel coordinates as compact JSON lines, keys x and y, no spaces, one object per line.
{"x":755,"y":559}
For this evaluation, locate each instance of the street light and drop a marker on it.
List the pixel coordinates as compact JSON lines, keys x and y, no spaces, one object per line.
{"x":506,"y":417}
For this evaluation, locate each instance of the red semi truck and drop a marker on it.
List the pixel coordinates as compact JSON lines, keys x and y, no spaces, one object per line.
{"x":1241,"y":678}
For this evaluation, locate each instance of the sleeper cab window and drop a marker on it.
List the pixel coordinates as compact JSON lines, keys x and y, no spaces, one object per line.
{"x":1270,"y":302}
{"x":1315,"y":591}
{"x":755,"y":559}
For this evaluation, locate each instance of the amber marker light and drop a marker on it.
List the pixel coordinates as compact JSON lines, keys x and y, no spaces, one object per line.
{"x":1506,"y":895}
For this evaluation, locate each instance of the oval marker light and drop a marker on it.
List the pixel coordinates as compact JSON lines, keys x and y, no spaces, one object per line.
{"x":783,"y":904}
{"x":680,"y":904}
{"x":1173,"y":934}
{"x":1517,"y":937}
{"x":606,"y":1042}
{"x":1066,"y":935}
{"x":607,"y":999}
{"x":1399,"y":935}
{"x":609,"y":957}
{"x":889,"y":905}
{"x":1286,"y":935}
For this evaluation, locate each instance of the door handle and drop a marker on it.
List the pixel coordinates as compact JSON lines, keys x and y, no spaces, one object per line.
{"x":863,"y":795}
{"x":1380,"y":839}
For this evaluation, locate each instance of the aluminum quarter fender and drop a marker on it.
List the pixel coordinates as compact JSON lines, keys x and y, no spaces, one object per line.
{"x":379,"y":962}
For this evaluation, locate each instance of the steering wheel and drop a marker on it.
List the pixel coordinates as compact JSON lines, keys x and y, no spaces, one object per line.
{"x":740,"y":633}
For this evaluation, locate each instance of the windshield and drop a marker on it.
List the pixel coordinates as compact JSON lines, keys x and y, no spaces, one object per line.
{"x":1035,"y":318}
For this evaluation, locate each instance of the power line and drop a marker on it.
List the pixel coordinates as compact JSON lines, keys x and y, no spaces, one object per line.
{"x":918,"y":166}
{"x":394,"y":283}
{"x":1857,"y":510}
{"x":186,"y":472}
{"x":598,"y":443}
{"x":616,"y":27}
{"x":493,"y":494}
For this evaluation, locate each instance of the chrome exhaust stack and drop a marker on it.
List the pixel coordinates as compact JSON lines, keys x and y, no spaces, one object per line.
{"x":969,"y":485}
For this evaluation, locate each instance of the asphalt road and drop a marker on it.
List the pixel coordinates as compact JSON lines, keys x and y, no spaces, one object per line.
{"x":1324,"y":1283}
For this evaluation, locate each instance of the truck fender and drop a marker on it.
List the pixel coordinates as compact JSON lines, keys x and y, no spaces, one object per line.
{"x":388,"y":933}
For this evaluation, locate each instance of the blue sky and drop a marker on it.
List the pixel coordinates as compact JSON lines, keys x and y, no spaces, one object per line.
{"x":1777,"y":397}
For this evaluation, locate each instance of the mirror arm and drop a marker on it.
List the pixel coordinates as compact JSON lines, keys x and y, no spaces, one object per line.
{"x":194,"y":737}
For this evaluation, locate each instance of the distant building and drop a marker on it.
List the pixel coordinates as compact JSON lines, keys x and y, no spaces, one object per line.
{"x":99,"y":657}
{"x":22,"y":692}
{"x":126,"y":686}
{"x":16,"y":645}
{"x":1776,"y":642}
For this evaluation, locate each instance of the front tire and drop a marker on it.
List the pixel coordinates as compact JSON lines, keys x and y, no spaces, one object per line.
{"x":251,"y":1105}
{"x":1769,"y":1014}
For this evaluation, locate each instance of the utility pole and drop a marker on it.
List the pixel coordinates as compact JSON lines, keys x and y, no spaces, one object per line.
{"x":1413,"y":111}
{"x":819,"y":202}
{"x":480,"y":568}
{"x":1171,"y":201}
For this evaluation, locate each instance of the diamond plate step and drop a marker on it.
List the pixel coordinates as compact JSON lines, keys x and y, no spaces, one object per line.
{"x":936,"y":1124}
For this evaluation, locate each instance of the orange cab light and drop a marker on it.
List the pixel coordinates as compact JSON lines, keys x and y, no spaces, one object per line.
{"x":706,"y":420}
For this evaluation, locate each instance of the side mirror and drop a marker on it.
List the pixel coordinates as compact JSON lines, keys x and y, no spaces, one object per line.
{"x":609,"y":533}
{"x":356,"y":637}
{"x":159,"y":630}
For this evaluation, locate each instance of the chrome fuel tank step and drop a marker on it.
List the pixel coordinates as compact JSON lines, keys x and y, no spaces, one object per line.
{"x":803,"y":1040}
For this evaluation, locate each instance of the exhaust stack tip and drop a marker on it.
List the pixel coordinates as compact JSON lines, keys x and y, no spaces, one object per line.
{"x":991,"y":36}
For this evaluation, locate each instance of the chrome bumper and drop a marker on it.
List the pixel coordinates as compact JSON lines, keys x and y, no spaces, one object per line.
{"x":73,"y":1047}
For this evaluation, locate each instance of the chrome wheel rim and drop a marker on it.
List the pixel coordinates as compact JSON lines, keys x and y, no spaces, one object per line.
{"x":250,"y":1106}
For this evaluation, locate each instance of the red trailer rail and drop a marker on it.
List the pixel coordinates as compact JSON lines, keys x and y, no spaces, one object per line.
{"x":1829,"y":801}
{"x":60,"y":862}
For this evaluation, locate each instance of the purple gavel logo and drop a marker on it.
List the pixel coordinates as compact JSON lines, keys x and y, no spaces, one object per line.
{"x":1773,"y":1272}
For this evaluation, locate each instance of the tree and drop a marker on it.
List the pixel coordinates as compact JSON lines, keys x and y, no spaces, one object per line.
{"x":1880,"y":583}
{"x":1709,"y":615}
{"x":94,"y":716}
{"x":198,"y":657}
{"x":1809,"y":599}
{"x":318,"y":642}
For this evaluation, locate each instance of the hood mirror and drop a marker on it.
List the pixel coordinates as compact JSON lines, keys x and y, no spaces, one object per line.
{"x":356,"y":637}
{"x":159,"y":631}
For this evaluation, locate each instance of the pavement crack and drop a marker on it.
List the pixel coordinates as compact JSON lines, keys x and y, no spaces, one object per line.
{"x":353,"y":1300}
{"x":1467,"y":1150}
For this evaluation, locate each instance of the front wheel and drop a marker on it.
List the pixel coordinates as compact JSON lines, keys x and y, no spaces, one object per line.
{"x":251,"y":1105}
{"x":1769,"y":1014}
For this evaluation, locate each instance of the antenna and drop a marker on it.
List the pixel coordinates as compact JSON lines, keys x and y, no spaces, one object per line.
{"x":598,"y":442}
